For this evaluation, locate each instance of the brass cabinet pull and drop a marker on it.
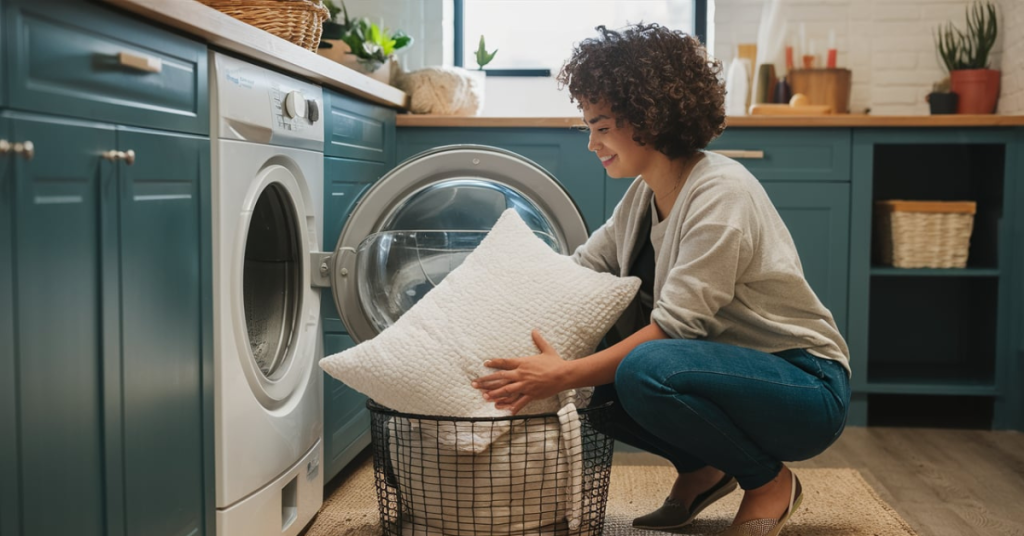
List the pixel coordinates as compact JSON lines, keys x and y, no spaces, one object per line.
{"x":127,"y":156}
{"x":741,"y":154}
{"x":26,"y":149}
{"x":146,"y":64}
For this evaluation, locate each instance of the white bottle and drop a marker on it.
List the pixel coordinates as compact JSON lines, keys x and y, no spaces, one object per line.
{"x":737,"y":87}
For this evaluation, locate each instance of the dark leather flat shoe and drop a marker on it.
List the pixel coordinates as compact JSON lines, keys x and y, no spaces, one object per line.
{"x":673,"y":515}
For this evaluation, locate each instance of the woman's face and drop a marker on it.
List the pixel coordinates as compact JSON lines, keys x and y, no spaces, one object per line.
{"x":620,"y":155}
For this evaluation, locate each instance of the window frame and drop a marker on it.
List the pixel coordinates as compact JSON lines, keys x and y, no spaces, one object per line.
{"x":700,"y":31}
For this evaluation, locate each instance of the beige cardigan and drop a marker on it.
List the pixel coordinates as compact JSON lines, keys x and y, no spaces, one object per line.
{"x":727,"y":270}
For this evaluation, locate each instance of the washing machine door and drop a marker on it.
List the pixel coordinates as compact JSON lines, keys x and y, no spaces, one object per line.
{"x":423,"y":218}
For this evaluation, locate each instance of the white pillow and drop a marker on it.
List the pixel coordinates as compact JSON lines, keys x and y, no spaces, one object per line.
{"x":486,"y":308}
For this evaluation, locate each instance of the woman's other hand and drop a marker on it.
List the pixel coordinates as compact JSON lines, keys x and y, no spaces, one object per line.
{"x":524,"y":379}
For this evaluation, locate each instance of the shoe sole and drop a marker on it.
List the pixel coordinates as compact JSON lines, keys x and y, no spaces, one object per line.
{"x":722,"y":492}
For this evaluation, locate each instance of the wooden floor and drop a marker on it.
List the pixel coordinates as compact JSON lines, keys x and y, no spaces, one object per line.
{"x":943,"y":482}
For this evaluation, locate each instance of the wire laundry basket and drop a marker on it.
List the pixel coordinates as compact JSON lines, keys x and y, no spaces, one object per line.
{"x":432,"y":478}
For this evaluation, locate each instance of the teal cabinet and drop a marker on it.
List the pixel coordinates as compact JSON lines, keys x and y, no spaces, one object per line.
{"x":562,"y":152}
{"x":78,"y":59}
{"x":345,"y":181}
{"x":160,"y":266}
{"x":359,"y":149}
{"x":108,"y":359}
{"x":67,"y":346}
{"x":818,"y":218}
{"x":8,"y":382}
{"x":346,"y":418}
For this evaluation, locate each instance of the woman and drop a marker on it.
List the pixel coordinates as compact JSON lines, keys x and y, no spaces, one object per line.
{"x":728,"y":364}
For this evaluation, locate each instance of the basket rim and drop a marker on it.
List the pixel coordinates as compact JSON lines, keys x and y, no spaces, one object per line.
{"x":374,"y":407}
{"x":903,"y":205}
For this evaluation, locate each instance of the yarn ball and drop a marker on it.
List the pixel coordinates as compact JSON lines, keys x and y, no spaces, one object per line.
{"x":442,"y":91}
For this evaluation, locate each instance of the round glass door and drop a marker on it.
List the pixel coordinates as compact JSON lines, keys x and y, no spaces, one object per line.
{"x":272,"y":279}
{"x":420,"y":221}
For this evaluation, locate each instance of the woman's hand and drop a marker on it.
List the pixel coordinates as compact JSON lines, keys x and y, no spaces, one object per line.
{"x":524,"y":379}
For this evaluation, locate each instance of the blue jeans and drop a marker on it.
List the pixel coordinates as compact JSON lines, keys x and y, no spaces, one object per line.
{"x":699,"y":403}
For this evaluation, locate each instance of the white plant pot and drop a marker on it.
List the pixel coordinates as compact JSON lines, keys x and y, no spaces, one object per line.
{"x":479,"y":80}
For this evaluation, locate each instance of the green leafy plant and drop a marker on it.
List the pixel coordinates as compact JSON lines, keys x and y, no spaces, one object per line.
{"x":482,"y":56}
{"x":373,"y":45}
{"x":969,"y":50}
{"x":942,"y":86}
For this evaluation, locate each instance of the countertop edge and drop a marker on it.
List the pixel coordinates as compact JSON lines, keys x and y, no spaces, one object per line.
{"x":409,"y":120}
{"x":225,"y":32}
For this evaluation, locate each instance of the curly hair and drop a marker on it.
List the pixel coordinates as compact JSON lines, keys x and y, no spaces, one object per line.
{"x":659,"y":80}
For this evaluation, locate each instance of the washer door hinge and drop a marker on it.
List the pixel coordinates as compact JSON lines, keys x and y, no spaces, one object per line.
{"x":320,"y":267}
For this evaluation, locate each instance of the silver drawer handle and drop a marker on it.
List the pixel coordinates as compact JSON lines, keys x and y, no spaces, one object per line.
{"x":139,"y":62}
{"x":127,"y":156}
{"x":742,"y":154}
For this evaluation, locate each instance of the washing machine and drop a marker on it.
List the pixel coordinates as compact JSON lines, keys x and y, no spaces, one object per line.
{"x":267,"y":211}
{"x":419,"y":221}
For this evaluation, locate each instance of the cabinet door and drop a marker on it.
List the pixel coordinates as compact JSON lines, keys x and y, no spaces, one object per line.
{"x":8,"y":393}
{"x":346,"y":419}
{"x":818,"y":218}
{"x":66,"y":356}
{"x":345,"y":181}
{"x":161,"y":331}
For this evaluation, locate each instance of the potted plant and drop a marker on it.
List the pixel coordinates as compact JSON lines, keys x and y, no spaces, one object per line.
{"x":371,"y":48}
{"x":941,"y":100}
{"x":360,"y":44}
{"x":966,"y":57}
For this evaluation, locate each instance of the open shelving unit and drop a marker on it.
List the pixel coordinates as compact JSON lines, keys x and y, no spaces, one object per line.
{"x":930,"y":345}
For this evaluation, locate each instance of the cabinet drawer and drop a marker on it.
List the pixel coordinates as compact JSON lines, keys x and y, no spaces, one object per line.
{"x":784,"y":154}
{"x":83,"y":60}
{"x":356,"y":129}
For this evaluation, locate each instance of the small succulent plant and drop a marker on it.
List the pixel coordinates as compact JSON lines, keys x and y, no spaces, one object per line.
{"x":942,"y":86}
{"x":482,"y":56}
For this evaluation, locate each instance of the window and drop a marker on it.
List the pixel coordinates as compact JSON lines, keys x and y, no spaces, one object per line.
{"x":534,"y":37}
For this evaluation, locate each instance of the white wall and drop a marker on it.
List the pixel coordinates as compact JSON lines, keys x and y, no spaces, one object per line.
{"x":421,"y":19}
{"x":1012,"y":96}
{"x":888,"y":45}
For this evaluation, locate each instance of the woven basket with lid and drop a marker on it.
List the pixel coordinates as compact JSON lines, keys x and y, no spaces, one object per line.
{"x":298,"y":21}
{"x":924,"y":234}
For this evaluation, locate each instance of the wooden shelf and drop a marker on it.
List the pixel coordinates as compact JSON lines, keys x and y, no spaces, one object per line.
{"x":888,"y":271}
{"x":839,"y":120}
{"x":907,"y":386}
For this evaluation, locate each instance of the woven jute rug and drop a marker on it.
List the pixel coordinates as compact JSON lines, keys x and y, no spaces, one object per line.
{"x":836,"y":502}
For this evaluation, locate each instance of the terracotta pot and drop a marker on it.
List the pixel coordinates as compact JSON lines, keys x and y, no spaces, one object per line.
{"x":978,"y":90}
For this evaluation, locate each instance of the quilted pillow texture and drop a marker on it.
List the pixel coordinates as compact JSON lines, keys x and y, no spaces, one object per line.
{"x":486,"y":308}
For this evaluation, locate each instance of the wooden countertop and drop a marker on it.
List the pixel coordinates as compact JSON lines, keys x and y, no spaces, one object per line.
{"x":225,"y":32}
{"x":841,"y":120}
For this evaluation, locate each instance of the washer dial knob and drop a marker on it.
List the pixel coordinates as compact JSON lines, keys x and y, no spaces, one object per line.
{"x":295,"y":105}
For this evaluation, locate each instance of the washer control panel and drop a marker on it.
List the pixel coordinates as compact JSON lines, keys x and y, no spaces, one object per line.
{"x":251,"y":103}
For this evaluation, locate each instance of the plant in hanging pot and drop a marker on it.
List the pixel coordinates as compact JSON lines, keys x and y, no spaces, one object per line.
{"x":966,"y":56}
{"x":942,"y":100}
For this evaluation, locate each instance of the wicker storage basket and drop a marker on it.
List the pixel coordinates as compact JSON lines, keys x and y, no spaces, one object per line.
{"x":298,"y":21}
{"x":924,"y":234}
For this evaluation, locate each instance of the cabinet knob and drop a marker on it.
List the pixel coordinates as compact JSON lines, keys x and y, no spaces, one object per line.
{"x":26,"y":149}
{"x":5,"y":147}
{"x":113,"y":155}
